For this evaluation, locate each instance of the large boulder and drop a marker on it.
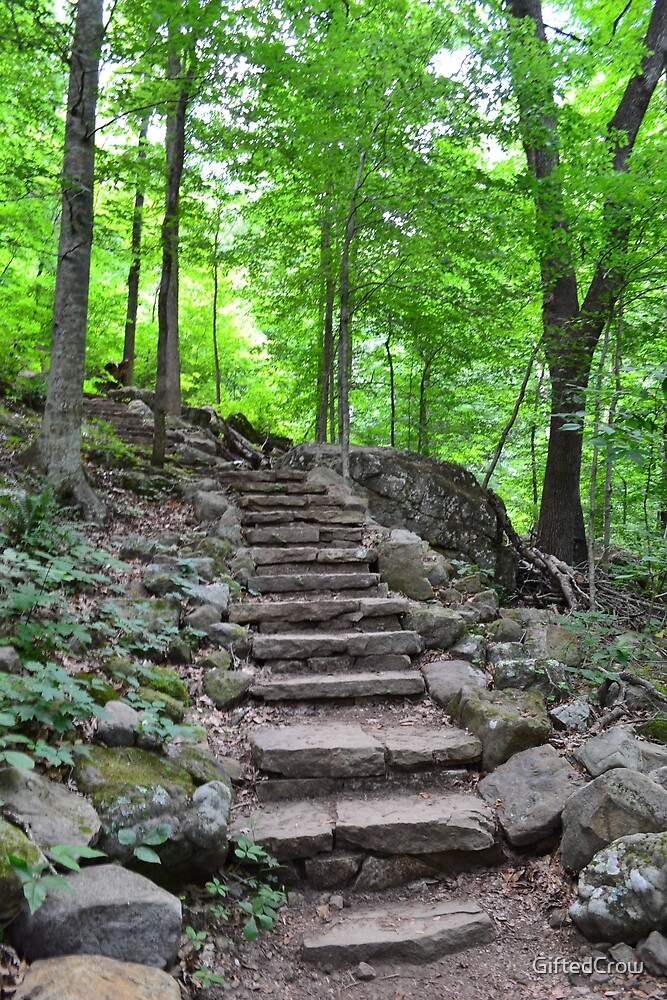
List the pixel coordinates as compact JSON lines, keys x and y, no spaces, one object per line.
{"x":529,"y":793}
{"x":75,"y":977}
{"x":13,"y":841}
{"x":54,"y":814}
{"x":137,"y":790}
{"x":619,"y":803}
{"x":440,"y":501}
{"x":622,"y":893}
{"x":105,"y":910}
{"x":439,"y":627}
{"x":619,"y":747}
{"x":505,"y":722}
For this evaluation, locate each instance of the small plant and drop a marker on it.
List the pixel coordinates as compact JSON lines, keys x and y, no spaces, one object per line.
{"x":206,"y":977}
{"x":264,"y":897}
{"x":37,"y":878}
{"x":196,"y":938}
{"x":143,"y":848}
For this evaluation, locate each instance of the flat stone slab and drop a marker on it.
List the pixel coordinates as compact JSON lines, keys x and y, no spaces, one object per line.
{"x":284,"y":583}
{"x":408,"y":933}
{"x":301,"y":646}
{"x":409,"y":748}
{"x":529,"y":793}
{"x":286,"y":534}
{"x":54,"y":814}
{"x":315,"y":611}
{"x":352,"y":685}
{"x":316,"y":514}
{"x":411,"y":824}
{"x":326,"y":750}
{"x":80,"y":977}
{"x":289,"y":830}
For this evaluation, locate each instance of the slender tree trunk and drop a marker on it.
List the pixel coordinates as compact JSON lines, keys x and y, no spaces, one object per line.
{"x":593,"y":486}
{"x":327,"y":336}
{"x":167,"y":385}
{"x":214,"y":325}
{"x":135,"y":267}
{"x":609,"y":462}
{"x":422,"y":436}
{"x":392,"y":390}
{"x":57,"y":449}
{"x":515,"y":413}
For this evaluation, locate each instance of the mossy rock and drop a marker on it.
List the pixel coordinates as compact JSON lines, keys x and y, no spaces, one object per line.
{"x":201,"y":764}
{"x":164,"y":703}
{"x":655,"y":729}
{"x":167,"y":681}
{"x":13,"y":841}
{"x":506,"y":722}
{"x":218,"y":659}
{"x":226,"y":688}
{"x":100,"y":690}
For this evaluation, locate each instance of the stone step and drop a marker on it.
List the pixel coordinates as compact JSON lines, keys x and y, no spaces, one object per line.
{"x":315,"y":611}
{"x":300,"y":568}
{"x":302,"y":534}
{"x":236,"y":483}
{"x":444,"y":780}
{"x":343,"y":749}
{"x":301,"y":646}
{"x":402,"y":823}
{"x":294,"y":500}
{"x":245,"y":479}
{"x":271,"y":555}
{"x":284,"y":583}
{"x":389,"y":684}
{"x":404,"y":932}
{"x":339,"y":664}
{"x":345,"y":623}
{"x":317,"y":515}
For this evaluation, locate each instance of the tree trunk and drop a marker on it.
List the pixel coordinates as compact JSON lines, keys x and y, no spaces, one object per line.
{"x":167,"y":385}
{"x":422,"y":436}
{"x":571,"y":331}
{"x":214,"y":330}
{"x":57,"y":449}
{"x":392,"y":391}
{"x":135,"y":268}
{"x":327,"y":339}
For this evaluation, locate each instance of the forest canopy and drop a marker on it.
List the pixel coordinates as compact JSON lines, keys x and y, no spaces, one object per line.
{"x":432,"y":225}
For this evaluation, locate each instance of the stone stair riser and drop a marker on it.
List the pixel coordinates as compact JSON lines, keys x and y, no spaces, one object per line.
{"x":346,"y":623}
{"x":304,"y":646}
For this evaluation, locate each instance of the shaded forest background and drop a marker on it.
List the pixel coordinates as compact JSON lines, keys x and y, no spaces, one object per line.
{"x":414,"y":181}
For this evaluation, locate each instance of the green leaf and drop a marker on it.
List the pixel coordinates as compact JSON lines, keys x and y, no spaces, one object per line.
{"x":158,"y":835}
{"x":126,"y":836}
{"x":17,"y":759}
{"x":147,"y":854}
{"x":250,"y":930}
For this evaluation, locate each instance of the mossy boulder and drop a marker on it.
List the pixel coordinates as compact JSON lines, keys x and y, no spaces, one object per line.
{"x":226,"y":688}
{"x":13,"y":841}
{"x":217,"y":659}
{"x":163,"y":703}
{"x":506,"y":722}
{"x":655,"y":729}
{"x":99,"y":689}
{"x":200,"y":763}
{"x":166,"y":681}
{"x":138,"y":790}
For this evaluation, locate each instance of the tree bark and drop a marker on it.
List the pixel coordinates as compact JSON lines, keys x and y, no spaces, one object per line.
{"x":327,"y":339}
{"x":392,"y":390}
{"x":135,"y":267}
{"x":57,"y":449}
{"x":570,"y":330}
{"x":214,"y":324}
{"x":167,"y":385}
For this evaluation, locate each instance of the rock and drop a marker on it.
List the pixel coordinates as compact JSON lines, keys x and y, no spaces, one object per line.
{"x":71,"y":977}
{"x":148,"y":626}
{"x":10,"y":661}
{"x":120,"y":725}
{"x":164,"y":704}
{"x":337,"y":902}
{"x":545,"y":676}
{"x":357,"y":684}
{"x":141,"y":409}
{"x":619,"y":747}
{"x":469,"y":584}
{"x":551,"y":641}
{"x":470,"y":647}
{"x":439,"y":627}
{"x":506,"y":722}
{"x":573,"y":715}
{"x":365,"y":972}
{"x":288,"y":830}
{"x":437,"y":569}
{"x":529,"y":793}
{"x":410,"y":748}
{"x":135,"y":789}
{"x":414,"y":933}
{"x":203,"y":617}
{"x":167,"y":681}
{"x":487,"y":599}
{"x":326,"y":871}
{"x":108,"y":910}
{"x":655,"y":729}
{"x":231,"y":637}
{"x":441,"y":502}
{"x":13,"y":841}
{"x":201,"y":764}
{"x":162,"y":580}
{"x":401,"y":566}
{"x":504,"y":630}
{"x":139,"y":548}
{"x":303,"y":645}
{"x":619,"y":803}
{"x":653,"y":953}
{"x":226,"y":688}
{"x":214,"y":594}
{"x":446,"y":678}
{"x":501,"y":651}
{"x":622,"y":892}
{"x":232,"y":767}
{"x":209,"y":506}
{"x":322,"y":750}
{"x":219,"y":659}
{"x":53,"y":813}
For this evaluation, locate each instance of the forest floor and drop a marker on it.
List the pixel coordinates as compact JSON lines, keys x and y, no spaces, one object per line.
{"x":535,"y":955}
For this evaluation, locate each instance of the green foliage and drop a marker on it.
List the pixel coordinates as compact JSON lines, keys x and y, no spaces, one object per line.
{"x":606,"y":650}
{"x":143,"y":848}
{"x":37,"y":878}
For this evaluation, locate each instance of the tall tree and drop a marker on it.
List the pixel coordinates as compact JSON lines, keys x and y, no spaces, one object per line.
{"x":57,"y":448}
{"x":572,"y":323}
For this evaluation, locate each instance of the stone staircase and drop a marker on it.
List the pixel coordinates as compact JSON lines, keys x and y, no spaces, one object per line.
{"x":346,"y":799}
